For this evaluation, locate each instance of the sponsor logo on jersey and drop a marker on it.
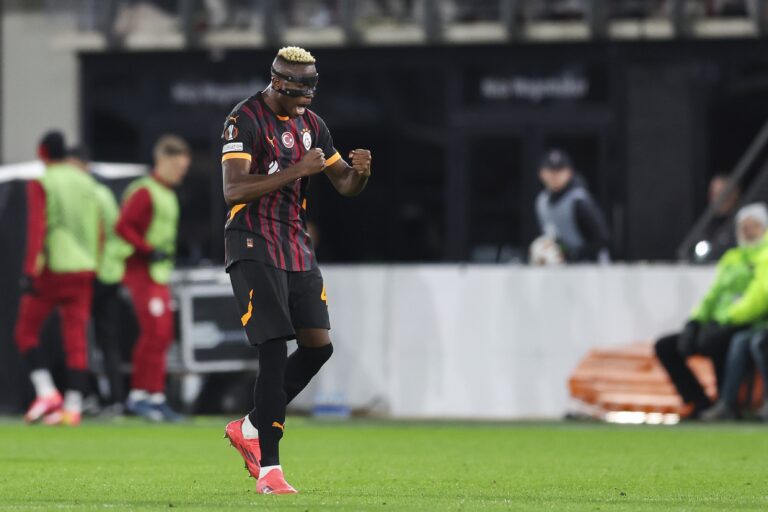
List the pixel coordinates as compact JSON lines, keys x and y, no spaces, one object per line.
{"x":231,"y":132}
{"x":306,"y":139}
{"x":287,"y":139}
{"x":232,"y":146}
{"x":273,"y":168}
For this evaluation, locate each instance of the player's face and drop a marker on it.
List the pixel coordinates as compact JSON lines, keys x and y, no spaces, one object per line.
{"x":750,"y":231}
{"x":172,"y":169}
{"x":295,"y":106}
{"x":555,"y":179}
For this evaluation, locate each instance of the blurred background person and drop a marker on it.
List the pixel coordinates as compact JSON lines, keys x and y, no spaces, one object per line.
{"x":573,"y":228}
{"x":719,"y":235}
{"x":708,"y":332}
{"x":751,"y":311}
{"x":60,"y":263}
{"x":106,"y":287}
{"x":149,"y":222}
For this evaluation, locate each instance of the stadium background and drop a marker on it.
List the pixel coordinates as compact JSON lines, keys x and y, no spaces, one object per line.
{"x":457,"y":352}
{"x":458,"y":109}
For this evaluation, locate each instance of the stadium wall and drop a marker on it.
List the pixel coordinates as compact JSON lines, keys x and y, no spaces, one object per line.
{"x":431,"y":341}
{"x":40,"y":85}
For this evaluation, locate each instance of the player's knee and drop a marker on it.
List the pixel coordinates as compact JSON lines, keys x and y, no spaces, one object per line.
{"x":326,"y":352}
{"x":313,"y":338}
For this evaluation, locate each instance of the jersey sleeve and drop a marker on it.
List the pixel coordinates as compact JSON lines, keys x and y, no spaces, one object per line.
{"x":325,"y":142}
{"x":237,"y":139}
{"x":36,"y":226}
{"x":135,"y":217}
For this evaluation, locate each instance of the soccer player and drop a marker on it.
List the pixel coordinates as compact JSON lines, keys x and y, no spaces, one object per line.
{"x":271,"y":145}
{"x":60,"y":263}
{"x":149,"y":223}
{"x":106,"y":287}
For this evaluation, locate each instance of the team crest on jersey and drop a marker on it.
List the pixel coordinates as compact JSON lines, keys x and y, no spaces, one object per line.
{"x":287,"y":139}
{"x":306,"y":139}
{"x":231,"y":132}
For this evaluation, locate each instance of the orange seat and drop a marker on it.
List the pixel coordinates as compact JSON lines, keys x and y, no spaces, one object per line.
{"x":630,"y":378}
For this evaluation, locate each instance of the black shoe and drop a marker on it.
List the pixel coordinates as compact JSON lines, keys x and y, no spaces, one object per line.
{"x":721,"y":411}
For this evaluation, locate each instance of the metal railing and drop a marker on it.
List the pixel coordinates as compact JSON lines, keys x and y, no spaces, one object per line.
{"x":754,"y":162}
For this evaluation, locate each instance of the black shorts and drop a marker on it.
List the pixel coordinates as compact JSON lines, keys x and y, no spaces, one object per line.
{"x":274,"y":303}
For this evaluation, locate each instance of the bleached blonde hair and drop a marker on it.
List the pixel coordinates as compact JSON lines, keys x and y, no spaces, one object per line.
{"x":296,"y":55}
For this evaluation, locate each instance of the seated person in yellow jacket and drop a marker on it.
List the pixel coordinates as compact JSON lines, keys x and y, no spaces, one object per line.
{"x":704,"y":334}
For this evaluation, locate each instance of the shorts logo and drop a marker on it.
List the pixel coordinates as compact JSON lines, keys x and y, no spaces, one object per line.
{"x":249,"y":243}
{"x":156,"y":307}
{"x":281,"y":426}
{"x":232,"y":146}
{"x":247,"y":316}
{"x":306,"y":139}
{"x":287,"y":139}
{"x":323,"y":296}
{"x":231,"y":132}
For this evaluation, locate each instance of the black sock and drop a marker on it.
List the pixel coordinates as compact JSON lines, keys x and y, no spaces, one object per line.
{"x":33,"y":359}
{"x":270,"y":400}
{"x":304,"y":364}
{"x":78,"y":380}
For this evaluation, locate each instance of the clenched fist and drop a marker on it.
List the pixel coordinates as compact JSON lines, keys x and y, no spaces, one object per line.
{"x":360,"y":160}
{"x":313,"y":162}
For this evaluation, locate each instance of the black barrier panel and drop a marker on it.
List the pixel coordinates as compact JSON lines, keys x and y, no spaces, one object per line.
{"x":434,"y":115}
{"x":14,"y":388}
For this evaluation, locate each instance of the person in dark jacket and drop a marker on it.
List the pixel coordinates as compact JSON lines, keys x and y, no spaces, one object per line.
{"x":571,"y":222}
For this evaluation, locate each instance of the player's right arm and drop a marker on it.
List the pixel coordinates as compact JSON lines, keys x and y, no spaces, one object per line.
{"x":134,"y":220}
{"x":242,"y":187}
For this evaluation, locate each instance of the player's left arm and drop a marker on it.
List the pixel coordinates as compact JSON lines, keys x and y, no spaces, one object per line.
{"x":350,"y":180}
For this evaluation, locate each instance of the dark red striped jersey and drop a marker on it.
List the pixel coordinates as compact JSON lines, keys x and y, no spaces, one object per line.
{"x":273,"y":228}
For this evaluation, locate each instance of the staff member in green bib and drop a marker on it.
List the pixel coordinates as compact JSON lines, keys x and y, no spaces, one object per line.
{"x":149,"y":222}
{"x":60,"y":263}
{"x":110,"y":271}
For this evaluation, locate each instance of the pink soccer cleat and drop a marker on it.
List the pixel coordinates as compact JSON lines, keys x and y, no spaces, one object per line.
{"x":274,"y":483}
{"x":63,"y":417}
{"x":249,"y":449}
{"x":42,"y":406}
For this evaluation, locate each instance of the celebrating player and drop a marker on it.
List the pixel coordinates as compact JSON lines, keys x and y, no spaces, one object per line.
{"x":272,"y":144}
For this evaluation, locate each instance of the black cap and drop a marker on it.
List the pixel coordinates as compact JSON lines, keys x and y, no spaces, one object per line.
{"x":556,"y":159}
{"x":52,"y":146}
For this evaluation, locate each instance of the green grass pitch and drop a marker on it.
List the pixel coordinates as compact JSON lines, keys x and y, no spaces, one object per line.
{"x":365,"y":465}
